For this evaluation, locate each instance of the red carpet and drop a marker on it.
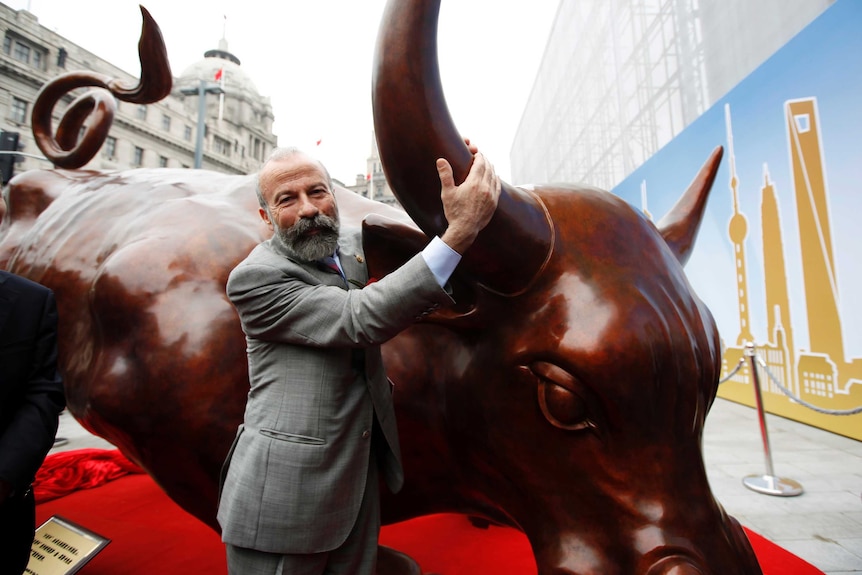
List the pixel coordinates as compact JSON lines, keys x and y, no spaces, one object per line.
{"x":150,"y":534}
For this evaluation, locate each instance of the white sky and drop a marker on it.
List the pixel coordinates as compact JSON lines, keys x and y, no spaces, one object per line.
{"x":313,"y":58}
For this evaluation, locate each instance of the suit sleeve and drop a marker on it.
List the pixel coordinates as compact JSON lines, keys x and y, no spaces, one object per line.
{"x":30,"y":434}
{"x":274,"y":305}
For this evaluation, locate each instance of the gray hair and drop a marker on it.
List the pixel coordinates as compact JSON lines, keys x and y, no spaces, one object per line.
{"x":280,"y":154}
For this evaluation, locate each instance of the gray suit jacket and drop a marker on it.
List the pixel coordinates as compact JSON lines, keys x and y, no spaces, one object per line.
{"x":295,"y":475}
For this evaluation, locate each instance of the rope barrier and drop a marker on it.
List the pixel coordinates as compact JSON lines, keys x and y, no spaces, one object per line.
{"x":734,"y":372}
{"x":792,"y":396}
{"x":769,"y":483}
{"x":784,"y":389}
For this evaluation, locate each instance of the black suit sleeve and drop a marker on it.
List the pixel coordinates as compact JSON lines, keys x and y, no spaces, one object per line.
{"x":31,"y":425}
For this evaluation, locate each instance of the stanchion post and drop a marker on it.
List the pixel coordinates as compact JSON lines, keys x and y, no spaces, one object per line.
{"x":769,"y":483}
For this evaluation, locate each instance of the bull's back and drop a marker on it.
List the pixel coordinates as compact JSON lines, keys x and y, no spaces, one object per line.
{"x":151,"y":350}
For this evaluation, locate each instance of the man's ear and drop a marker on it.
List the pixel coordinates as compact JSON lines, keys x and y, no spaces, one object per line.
{"x":264,"y":215}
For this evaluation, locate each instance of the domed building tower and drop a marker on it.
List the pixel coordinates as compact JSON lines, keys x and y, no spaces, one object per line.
{"x":238,"y":120}
{"x":237,"y":123}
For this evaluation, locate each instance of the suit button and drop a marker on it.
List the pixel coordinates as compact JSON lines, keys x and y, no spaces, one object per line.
{"x":366,"y":434}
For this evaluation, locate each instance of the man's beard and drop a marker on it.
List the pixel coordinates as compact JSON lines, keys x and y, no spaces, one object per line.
{"x":311,"y":247}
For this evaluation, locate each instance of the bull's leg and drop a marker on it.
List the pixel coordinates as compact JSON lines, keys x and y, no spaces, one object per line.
{"x":392,"y":562}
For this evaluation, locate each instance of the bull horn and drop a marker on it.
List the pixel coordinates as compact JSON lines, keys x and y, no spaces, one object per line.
{"x":156,"y":78}
{"x":680,"y":225}
{"x":414,"y":128}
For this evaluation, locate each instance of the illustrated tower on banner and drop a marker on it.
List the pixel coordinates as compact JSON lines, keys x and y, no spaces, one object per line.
{"x":738,"y":229}
{"x":815,"y":233}
{"x":779,"y":326}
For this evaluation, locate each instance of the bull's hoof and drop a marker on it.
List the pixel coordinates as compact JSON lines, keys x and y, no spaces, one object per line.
{"x":392,"y":562}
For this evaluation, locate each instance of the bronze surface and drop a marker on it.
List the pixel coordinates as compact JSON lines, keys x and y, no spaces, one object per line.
{"x":564,"y":394}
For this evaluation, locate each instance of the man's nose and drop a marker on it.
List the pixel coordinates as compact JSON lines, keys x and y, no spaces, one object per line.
{"x":307,"y":209}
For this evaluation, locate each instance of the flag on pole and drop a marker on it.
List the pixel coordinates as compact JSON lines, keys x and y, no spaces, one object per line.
{"x":220,"y":77}
{"x":319,"y":141}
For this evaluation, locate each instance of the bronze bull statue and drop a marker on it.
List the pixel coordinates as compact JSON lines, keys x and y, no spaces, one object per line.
{"x":564,"y":395}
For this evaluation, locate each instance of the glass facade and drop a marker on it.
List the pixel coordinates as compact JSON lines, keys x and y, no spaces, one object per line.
{"x":621,"y":78}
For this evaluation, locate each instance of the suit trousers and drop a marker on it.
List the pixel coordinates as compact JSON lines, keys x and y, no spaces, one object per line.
{"x":356,"y":556}
{"x":17,"y":528}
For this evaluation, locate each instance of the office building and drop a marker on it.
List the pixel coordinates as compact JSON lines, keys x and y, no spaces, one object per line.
{"x":620,"y":78}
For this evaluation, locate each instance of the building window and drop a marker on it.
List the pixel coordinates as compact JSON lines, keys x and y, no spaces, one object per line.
{"x":138,"y":159}
{"x":142,"y":112}
{"x":19,"y":110}
{"x":25,"y":52}
{"x":187,"y":133}
{"x":166,"y":123}
{"x":61,"y":58}
{"x":110,"y":147}
{"x":163,"y":162}
{"x":21,"y":52}
{"x":221,"y":146}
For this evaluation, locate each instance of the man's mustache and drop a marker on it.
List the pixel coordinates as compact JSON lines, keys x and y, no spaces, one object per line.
{"x":320,"y":222}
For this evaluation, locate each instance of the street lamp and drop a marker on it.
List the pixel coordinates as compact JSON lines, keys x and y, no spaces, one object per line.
{"x":202,"y":90}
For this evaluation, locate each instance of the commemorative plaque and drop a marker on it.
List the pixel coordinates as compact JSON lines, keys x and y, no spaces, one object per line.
{"x":62,"y":547}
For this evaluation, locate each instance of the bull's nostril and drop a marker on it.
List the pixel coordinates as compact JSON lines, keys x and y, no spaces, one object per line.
{"x":683,"y":570}
{"x":675,"y":566}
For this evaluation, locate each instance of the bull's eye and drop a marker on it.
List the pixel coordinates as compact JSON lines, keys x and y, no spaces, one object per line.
{"x":560,"y":404}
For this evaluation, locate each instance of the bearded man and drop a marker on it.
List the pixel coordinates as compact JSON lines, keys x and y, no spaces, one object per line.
{"x":299,"y":490}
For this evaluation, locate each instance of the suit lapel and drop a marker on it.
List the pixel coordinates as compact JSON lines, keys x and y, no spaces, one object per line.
{"x":319,"y":272}
{"x":8,"y":295}
{"x":353,"y":265}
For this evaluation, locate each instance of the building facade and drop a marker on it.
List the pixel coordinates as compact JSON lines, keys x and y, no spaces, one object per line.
{"x":620,"y":78}
{"x":237,"y":133}
{"x":373,"y":184}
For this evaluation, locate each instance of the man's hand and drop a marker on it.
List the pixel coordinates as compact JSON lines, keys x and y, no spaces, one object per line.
{"x":469,"y":207}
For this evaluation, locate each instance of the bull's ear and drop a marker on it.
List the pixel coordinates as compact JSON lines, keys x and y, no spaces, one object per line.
{"x":388,"y":244}
{"x":680,"y":225}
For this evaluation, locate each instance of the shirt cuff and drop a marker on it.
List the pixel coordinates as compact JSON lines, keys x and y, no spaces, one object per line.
{"x":441,"y":260}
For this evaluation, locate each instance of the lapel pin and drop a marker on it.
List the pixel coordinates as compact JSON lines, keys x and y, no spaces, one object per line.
{"x":359,"y":259}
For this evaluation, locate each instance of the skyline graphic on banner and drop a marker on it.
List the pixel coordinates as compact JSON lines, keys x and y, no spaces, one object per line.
{"x":777,"y":255}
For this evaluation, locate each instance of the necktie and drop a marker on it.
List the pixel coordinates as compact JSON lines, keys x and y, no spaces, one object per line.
{"x":329,"y":264}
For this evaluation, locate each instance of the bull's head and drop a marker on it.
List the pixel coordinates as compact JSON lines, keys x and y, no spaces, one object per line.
{"x":579,"y":364}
